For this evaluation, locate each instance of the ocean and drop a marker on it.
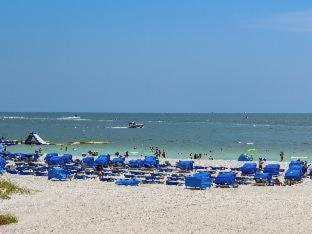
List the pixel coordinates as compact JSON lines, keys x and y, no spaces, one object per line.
{"x":222,"y":136}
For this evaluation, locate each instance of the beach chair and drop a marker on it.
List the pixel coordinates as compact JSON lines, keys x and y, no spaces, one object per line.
{"x":151,"y":162}
{"x":48,"y":156}
{"x":3,"y":162}
{"x":249,"y":169}
{"x":79,"y":176}
{"x":102,"y":160}
{"x":175,"y":183}
{"x":118,"y":162}
{"x":58,"y":174}
{"x":218,"y":168}
{"x":136,"y":163}
{"x":273,"y":169}
{"x":226,"y":179}
{"x":293,"y":174}
{"x":41,"y":173}
{"x":7,"y":155}
{"x":242,"y":180}
{"x":200,"y":180}
{"x":262,"y":179}
{"x":11,"y":170}
{"x":107,"y":178}
{"x":87,"y":161}
{"x":185,"y":166}
{"x":128,"y":182}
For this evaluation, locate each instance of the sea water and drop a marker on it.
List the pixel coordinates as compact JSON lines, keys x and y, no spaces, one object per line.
{"x":222,"y":136}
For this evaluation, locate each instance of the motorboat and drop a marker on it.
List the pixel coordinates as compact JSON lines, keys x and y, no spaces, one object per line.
{"x":135,"y":125}
{"x":75,"y":117}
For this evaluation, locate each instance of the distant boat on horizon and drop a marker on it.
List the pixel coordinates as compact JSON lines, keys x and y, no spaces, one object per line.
{"x":75,"y":117}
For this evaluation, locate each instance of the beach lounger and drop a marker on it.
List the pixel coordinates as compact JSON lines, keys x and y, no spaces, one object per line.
{"x":151,"y":161}
{"x":171,"y":182}
{"x":185,"y":166}
{"x":249,"y":169}
{"x":26,"y":172}
{"x":294,"y":174}
{"x":3,"y":162}
{"x":262,"y":179}
{"x":200,"y":180}
{"x":108,"y":179}
{"x":137,"y":163}
{"x":58,"y":174}
{"x":41,"y":173}
{"x":129,"y":176}
{"x":87,"y":161}
{"x":11,"y":170}
{"x":226,"y":179}
{"x":128,"y":182}
{"x":118,"y":162}
{"x":218,"y":168}
{"x":273,"y":169}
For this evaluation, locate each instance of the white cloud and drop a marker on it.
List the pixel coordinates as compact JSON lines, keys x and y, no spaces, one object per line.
{"x":297,"y":21}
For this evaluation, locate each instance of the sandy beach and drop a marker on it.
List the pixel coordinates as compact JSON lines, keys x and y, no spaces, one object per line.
{"x":93,"y":206}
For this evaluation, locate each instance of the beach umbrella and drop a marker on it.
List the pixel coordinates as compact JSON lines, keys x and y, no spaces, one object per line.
{"x":1,"y":147}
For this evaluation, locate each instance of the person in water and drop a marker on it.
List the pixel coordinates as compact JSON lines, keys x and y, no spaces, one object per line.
{"x":163,"y":154}
{"x":282,"y":156}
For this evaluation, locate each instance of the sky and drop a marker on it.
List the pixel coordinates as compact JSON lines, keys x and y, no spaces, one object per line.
{"x":156,"y":56}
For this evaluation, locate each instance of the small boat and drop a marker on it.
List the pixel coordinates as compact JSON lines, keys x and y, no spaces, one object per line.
{"x":75,"y":117}
{"x":135,"y":125}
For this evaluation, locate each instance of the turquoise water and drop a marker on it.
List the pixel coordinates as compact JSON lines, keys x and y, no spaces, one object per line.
{"x":224,"y":136}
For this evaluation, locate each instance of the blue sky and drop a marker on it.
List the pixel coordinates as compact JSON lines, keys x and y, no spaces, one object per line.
{"x":156,"y":56}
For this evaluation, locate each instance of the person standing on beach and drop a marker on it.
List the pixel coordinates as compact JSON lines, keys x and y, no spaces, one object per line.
{"x":261,"y":162}
{"x":163,"y":154}
{"x":282,"y":156}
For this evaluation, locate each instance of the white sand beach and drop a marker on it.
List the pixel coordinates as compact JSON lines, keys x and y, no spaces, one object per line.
{"x":80,"y":206}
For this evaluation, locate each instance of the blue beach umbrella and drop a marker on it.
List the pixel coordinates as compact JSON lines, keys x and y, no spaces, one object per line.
{"x":1,"y":147}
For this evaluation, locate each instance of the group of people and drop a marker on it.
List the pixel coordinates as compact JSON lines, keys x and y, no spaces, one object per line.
{"x":199,"y":156}
{"x":158,"y":152}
